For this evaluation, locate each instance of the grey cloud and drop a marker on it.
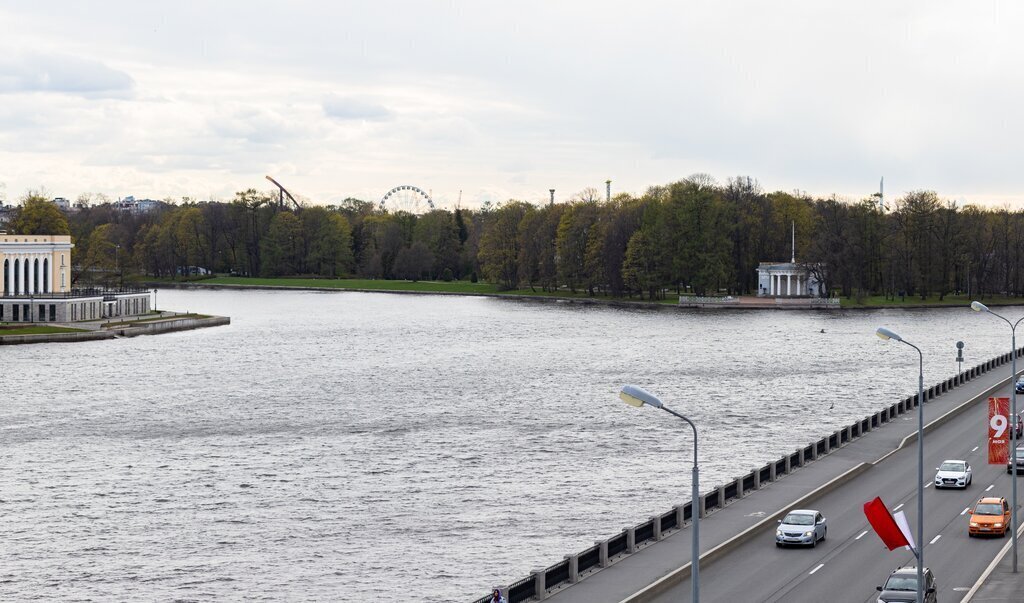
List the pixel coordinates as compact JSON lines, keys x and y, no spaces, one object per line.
{"x":350,"y":107}
{"x":62,"y":74}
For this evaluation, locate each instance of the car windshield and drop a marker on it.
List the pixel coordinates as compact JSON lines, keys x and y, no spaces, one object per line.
{"x":902,"y":582}
{"x":951,"y":467}
{"x":988,"y":509}
{"x":799,"y":519}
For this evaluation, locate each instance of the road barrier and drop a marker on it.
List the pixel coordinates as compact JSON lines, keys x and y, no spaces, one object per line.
{"x":573,"y":568}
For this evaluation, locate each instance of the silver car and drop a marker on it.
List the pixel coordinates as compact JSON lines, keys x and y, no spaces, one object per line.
{"x":953,"y":474}
{"x":801,"y":526}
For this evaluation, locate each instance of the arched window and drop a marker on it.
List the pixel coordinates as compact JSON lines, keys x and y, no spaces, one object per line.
{"x":17,"y":277}
{"x":7,"y":277}
{"x":46,"y":276}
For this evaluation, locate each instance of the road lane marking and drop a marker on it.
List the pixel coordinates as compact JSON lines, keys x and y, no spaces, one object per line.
{"x":975,"y":449}
{"x":928,"y":484}
{"x":861,"y":535}
{"x":936,"y":539}
{"x":820,"y":565}
{"x":990,"y":487}
{"x":964,"y":512}
{"x":898,"y":507}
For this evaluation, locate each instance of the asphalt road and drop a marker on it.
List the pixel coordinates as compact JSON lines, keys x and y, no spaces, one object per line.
{"x":852,"y":561}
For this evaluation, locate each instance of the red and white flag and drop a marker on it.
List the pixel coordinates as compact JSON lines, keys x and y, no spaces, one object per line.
{"x":885,"y":526}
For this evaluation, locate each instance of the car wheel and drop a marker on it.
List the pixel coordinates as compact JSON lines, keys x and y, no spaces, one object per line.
{"x":824,"y":533}
{"x":814,"y":541}
{"x":778,"y":545}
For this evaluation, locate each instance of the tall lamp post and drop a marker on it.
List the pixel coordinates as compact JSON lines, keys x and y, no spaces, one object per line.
{"x":637,"y":396}
{"x":885,"y":335}
{"x":980,"y":307}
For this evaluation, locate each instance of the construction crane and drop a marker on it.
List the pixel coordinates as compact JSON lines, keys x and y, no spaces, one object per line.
{"x":282,"y":191}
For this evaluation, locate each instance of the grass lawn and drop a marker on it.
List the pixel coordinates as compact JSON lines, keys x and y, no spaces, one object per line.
{"x":879,"y":301}
{"x":35,"y":330}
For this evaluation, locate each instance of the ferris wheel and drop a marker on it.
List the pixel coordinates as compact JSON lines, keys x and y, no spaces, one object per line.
{"x":410,"y":199}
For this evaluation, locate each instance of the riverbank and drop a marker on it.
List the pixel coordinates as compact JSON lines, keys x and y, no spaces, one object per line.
{"x":162,"y":322}
{"x":565,"y":296}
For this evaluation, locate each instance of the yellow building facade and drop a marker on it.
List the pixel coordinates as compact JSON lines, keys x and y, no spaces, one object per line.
{"x":35,"y":264}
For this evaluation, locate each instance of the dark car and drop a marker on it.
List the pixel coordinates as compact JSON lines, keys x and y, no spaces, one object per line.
{"x":902,"y":586}
{"x":1020,"y":462}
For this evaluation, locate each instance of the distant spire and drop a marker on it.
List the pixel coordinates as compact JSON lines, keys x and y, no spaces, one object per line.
{"x":881,"y":194}
{"x":793,"y":260}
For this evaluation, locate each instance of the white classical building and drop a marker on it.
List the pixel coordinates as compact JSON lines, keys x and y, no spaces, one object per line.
{"x":787,"y":279}
{"x":35,"y":284}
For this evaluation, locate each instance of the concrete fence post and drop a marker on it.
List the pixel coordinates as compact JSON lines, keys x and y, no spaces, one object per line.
{"x":602,"y":553}
{"x":828,"y":444}
{"x":721,"y":497}
{"x":757,"y":479}
{"x":814,"y":451}
{"x":574,"y":568}
{"x":772,"y":470}
{"x":787,"y":465}
{"x":656,"y":524}
{"x":681,"y":515}
{"x":538,"y":584}
{"x":800,"y":457}
{"x":631,"y":540}
{"x":739,"y":487}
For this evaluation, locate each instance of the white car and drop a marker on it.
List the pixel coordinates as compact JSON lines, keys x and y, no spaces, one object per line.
{"x":953,"y":474}
{"x":801,"y":526}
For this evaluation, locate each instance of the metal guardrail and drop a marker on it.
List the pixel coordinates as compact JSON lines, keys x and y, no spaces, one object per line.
{"x":604,"y":553}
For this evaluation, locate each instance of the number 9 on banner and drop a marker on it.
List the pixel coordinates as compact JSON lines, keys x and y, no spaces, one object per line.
{"x":998,"y":423}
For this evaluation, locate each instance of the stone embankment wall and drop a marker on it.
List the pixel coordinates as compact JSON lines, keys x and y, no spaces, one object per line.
{"x":129,"y":330}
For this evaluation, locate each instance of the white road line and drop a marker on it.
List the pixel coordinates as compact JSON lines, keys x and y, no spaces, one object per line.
{"x":898,"y":507}
{"x":861,"y":535}
{"x":990,"y":487}
{"x":928,"y":484}
{"x":820,"y":565}
{"x":964,"y":512}
{"x":936,"y":539}
{"x":975,"y":449}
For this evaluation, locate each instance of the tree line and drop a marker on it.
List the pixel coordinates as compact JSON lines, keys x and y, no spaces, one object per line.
{"x":694,"y":235}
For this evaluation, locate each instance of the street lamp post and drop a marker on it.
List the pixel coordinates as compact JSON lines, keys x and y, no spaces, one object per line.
{"x":885,"y":335}
{"x":980,"y":307}
{"x":637,"y":396}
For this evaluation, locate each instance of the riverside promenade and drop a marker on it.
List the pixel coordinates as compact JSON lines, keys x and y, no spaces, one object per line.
{"x":663,"y":566}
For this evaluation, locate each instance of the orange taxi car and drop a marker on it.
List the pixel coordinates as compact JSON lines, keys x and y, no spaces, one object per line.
{"x":990,"y":516}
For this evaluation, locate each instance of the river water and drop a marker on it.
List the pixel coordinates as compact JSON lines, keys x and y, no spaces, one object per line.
{"x":368,"y":447}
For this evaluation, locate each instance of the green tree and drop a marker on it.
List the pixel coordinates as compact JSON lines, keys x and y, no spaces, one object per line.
{"x":499,"y":244}
{"x":37,"y":215}
{"x":282,"y":247}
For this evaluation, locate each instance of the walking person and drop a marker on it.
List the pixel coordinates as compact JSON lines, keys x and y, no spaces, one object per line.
{"x":496,"y":597}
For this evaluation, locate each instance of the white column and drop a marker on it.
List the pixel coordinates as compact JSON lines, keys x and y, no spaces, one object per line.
{"x":771,"y":284}
{"x":40,"y":287}
{"x":31,"y":274}
{"x":21,"y":275}
{"x":789,"y":284}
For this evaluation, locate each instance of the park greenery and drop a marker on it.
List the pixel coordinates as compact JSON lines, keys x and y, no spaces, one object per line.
{"x":692,"y":236}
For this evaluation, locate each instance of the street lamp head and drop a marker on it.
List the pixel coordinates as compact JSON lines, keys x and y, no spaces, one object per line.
{"x":977,"y":306}
{"x":638,"y":396}
{"x":885,"y":334}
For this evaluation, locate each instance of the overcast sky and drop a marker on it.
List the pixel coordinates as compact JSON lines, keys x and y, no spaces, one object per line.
{"x":508,"y":99}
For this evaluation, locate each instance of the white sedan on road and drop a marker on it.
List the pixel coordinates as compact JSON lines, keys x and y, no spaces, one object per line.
{"x":953,"y":474}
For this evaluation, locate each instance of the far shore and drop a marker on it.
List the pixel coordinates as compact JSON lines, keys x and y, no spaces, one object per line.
{"x":465,"y":288}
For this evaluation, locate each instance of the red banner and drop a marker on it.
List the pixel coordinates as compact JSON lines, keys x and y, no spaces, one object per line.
{"x":998,"y":431}
{"x":885,"y":526}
